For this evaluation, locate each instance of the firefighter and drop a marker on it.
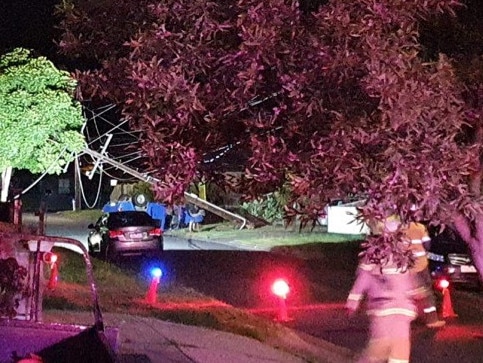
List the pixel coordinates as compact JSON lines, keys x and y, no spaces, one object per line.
{"x":389,"y":294}
{"x":417,"y":236}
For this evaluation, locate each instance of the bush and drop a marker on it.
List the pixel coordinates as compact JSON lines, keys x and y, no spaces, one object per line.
{"x":12,"y":284}
{"x":270,"y":207}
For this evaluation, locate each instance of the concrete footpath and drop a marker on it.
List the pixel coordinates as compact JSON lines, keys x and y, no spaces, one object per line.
{"x":150,"y":340}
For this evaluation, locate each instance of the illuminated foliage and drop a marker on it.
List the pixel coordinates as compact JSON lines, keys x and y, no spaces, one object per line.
{"x":39,"y":120}
{"x":332,"y":97}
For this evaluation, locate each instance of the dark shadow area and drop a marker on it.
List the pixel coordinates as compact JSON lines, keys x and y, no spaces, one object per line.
{"x":90,"y":345}
{"x":133,"y":358}
{"x":244,"y":278}
{"x":59,"y":303}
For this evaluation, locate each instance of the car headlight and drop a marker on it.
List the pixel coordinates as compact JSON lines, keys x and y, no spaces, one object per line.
{"x":435,"y":257}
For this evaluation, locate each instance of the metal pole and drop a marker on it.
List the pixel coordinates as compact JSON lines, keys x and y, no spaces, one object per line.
{"x":34,"y":312}
{"x":77,"y":189}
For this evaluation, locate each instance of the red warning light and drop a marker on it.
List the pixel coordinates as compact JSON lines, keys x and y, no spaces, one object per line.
{"x":443,"y":284}
{"x":280,"y":288}
{"x":49,"y":257}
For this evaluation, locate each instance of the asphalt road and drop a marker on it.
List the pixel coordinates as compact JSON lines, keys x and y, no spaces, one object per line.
{"x":243,"y":279}
{"x":315,"y":303}
{"x":56,"y":225}
{"x":461,"y":340}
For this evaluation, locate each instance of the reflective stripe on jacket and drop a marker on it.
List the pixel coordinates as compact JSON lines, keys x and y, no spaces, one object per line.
{"x":417,"y":234}
{"x":387,"y":292}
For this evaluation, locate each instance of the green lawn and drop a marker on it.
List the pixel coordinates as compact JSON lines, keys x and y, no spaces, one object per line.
{"x":87,"y":215}
{"x":267,"y":236}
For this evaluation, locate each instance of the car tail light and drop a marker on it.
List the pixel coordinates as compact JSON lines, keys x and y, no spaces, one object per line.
{"x":115,"y":234}
{"x":156,"y":232}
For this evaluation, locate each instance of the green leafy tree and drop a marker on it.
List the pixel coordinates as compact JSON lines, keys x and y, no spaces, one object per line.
{"x":40,"y":121}
{"x":333,"y":97}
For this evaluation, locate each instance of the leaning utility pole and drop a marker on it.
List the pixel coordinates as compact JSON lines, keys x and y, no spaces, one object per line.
{"x":191,"y":198}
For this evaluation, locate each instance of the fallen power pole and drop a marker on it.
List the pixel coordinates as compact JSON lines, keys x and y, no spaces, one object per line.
{"x":190,"y":197}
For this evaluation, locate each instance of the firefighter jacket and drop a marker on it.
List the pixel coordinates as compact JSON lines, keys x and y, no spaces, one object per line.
{"x":417,"y":235}
{"x":386,"y":291}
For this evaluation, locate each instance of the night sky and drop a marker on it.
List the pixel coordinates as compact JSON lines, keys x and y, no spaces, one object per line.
{"x":29,"y":24}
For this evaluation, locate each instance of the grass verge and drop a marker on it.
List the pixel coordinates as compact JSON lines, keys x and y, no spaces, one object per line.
{"x":265,"y":237}
{"x":122,"y":292}
{"x":89,"y":215}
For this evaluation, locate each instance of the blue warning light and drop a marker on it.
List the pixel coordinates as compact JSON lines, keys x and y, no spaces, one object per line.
{"x":156,"y":272}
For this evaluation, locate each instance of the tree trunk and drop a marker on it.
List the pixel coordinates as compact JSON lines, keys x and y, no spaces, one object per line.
{"x":472,"y":231}
{"x":6,"y":175}
{"x":473,"y":237}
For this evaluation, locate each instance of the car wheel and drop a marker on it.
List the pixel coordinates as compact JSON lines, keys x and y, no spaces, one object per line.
{"x":140,"y":200}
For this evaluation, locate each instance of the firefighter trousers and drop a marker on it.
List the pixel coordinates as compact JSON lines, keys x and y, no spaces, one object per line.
{"x":389,"y":341}
{"x":426,"y":300}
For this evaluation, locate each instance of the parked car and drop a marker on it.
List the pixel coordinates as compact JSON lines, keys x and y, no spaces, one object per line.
{"x":449,"y":257}
{"x":124,"y":233}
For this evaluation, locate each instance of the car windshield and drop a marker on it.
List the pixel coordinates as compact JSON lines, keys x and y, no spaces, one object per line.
{"x":126,"y":219}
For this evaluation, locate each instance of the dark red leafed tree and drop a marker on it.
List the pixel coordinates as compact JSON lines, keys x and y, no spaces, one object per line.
{"x":330,"y":102}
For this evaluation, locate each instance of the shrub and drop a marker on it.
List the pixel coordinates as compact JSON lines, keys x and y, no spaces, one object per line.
{"x":12,"y":284}
{"x":269,"y":207}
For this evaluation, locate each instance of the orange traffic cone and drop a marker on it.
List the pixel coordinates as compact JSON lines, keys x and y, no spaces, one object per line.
{"x":54,"y":274}
{"x":447,"y":310}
